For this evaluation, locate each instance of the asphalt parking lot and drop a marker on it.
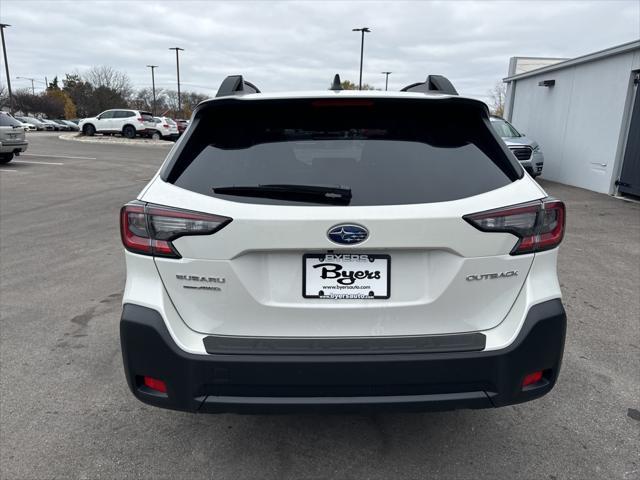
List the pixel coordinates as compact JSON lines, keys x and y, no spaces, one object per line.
{"x":66,"y":412}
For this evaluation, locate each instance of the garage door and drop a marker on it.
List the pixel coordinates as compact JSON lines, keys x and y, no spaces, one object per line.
{"x":629,"y":182}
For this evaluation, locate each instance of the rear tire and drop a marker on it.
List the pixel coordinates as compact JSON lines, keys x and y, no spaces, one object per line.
{"x":156,"y":136}
{"x":6,"y":157}
{"x":89,"y":130}
{"x":129,"y":132}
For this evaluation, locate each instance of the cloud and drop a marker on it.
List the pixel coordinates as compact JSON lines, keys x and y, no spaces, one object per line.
{"x":300,"y":45}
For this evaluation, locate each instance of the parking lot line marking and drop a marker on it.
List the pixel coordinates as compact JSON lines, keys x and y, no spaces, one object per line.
{"x":37,"y":163}
{"x":57,"y":156}
{"x":7,"y":170}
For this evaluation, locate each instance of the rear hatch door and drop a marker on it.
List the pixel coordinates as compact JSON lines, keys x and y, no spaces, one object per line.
{"x":414,"y":169}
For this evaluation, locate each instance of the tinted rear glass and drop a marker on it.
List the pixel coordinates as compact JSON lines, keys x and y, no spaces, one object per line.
{"x":8,"y":121}
{"x":386,"y":152}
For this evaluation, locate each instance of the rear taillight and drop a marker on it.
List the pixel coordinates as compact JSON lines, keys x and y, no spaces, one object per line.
{"x":539,"y":225}
{"x":150,"y":229}
{"x":141,"y":120}
{"x":165,"y":126}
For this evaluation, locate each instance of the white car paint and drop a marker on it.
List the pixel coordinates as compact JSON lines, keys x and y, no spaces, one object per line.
{"x":166,"y":127}
{"x":116,"y":120}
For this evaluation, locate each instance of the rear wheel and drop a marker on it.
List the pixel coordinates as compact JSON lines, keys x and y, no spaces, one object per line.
{"x":129,"y":132}
{"x":156,"y":136}
{"x":89,"y":130}
{"x":6,"y":157}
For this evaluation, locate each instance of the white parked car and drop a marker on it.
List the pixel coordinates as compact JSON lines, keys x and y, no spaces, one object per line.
{"x":166,"y":129}
{"x":341,"y":250}
{"x":33,"y":122}
{"x":127,"y":122}
{"x":54,"y":125}
{"x":27,"y":126}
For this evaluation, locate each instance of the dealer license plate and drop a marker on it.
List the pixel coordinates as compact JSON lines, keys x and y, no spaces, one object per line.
{"x":346,"y":276}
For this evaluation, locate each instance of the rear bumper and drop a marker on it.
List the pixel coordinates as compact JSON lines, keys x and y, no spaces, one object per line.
{"x":273,"y":383}
{"x":16,"y":147}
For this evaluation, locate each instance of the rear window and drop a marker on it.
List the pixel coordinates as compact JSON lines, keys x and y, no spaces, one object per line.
{"x":147,"y":117}
{"x":387,"y":152}
{"x":8,"y":121}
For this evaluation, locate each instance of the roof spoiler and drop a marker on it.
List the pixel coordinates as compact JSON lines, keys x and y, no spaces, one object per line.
{"x":434,"y":83}
{"x":236,"y":85}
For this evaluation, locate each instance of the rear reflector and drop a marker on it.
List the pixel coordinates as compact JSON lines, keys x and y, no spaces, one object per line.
{"x":150,"y":229}
{"x":539,"y":225}
{"x":155,"y":384}
{"x":532,"y":378}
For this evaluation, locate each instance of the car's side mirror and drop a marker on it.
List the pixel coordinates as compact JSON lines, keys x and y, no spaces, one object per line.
{"x":98,"y":117}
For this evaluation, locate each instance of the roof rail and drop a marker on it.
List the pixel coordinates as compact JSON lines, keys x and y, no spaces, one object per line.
{"x":236,"y":85}
{"x":433,"y":83}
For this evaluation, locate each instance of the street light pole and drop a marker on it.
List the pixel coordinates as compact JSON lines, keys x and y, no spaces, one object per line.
{"x":386,"y":80}
{"x":178,"y":49}
{"x":6,"y":65}
{"x":363,"y":30}
{"x":33,"y":88}
{"x":153,"y":86}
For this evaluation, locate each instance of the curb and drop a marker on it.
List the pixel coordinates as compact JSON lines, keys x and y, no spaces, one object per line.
{"x":139,"y":142}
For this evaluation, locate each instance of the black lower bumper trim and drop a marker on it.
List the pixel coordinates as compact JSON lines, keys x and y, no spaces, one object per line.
{"x":465,"y":342}
{"x":277,"y":382}
{"x":431,"y":402}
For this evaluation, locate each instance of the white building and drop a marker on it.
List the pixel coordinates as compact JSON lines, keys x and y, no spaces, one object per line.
{"x":585,"y":113}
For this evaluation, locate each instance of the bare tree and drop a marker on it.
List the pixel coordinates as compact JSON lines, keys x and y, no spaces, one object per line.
{"x":171,"y":102}
{"x":109,"y":78}
{"x":498,"y":96}
{"x":143,"y":100}
{"x":4,"y":96}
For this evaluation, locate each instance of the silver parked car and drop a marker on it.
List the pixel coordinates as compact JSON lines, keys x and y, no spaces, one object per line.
{"x":32,"y":121}
{"x":72,"y":126}
{"x":54,"y":125}
{"x":12,"y":138}
{"x":526,"y":150}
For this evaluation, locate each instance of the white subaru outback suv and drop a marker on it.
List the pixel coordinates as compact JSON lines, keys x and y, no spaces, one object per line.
{"x":341,"y":250}
{"x":127,"y":122}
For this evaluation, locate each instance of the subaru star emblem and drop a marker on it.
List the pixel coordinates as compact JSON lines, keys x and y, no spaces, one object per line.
{"x":347,"y":234}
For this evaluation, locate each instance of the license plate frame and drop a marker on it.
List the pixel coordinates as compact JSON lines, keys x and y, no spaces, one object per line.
{"x":371,"y":295}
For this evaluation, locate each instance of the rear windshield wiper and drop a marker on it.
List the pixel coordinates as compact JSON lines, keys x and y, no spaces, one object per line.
{"x":295,"y":193}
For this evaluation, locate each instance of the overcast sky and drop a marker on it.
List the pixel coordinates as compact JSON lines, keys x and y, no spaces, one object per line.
{"x":300,"y":45}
